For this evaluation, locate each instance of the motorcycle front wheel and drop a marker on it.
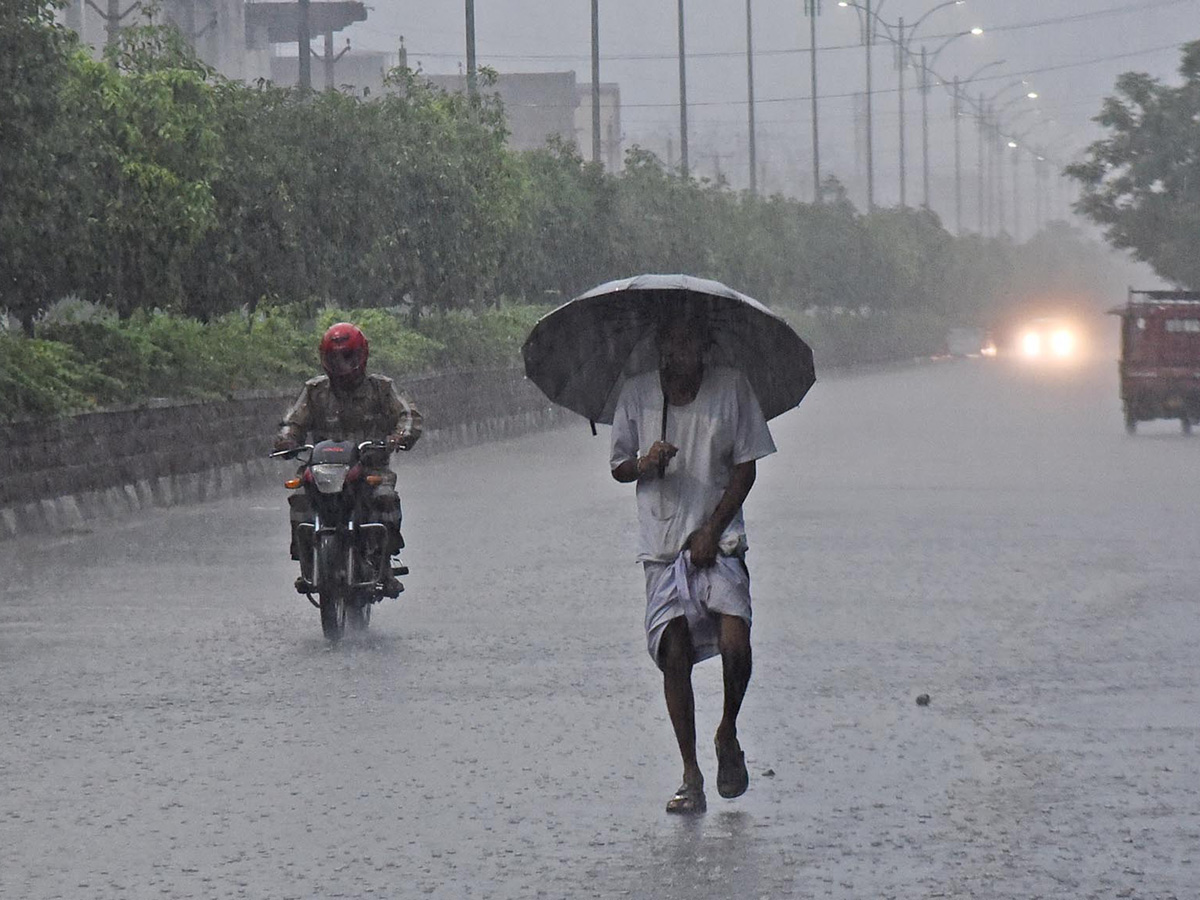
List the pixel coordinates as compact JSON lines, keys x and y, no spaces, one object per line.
{"x":331,"y":586}
{"x":358,"y":617}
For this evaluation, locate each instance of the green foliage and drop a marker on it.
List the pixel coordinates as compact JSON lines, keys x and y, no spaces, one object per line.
{"x":221,"y":224}
{"x":35,"y":216}
{"x":469,"y":339}
{"x":45,"y":378}
{"x":1142,"y":182}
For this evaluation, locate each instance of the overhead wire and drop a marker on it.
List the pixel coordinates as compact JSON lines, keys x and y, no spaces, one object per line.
{"x":1143,"y":7}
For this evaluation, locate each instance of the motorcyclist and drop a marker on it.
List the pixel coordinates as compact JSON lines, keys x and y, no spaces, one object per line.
{"x":348,"y":404}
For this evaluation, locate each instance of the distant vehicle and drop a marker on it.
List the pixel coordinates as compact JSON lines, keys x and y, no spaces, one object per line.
{"x":1160,"y":357}
{"x":964,"y":341}
{"x":1048,"y":339}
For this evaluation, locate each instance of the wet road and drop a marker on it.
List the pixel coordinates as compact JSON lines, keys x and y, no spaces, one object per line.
{"x":174,"y":725}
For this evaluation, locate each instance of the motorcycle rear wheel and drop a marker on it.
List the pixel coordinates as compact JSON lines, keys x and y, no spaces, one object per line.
{"x":332,"y":586}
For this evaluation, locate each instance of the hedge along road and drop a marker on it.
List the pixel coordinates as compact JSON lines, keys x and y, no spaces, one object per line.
{"x":981,"y":532}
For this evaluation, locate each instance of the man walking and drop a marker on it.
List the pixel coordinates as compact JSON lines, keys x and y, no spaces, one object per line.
{"x":689,"y":435}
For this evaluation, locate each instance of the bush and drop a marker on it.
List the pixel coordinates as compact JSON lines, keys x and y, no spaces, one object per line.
{"x":46,"y":378}
{"x":481,"y":339}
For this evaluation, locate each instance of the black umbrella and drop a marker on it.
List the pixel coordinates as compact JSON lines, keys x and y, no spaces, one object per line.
{"x":580,"y":354}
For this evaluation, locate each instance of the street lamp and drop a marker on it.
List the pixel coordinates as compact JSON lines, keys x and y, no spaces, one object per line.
{"x":750,"y":96}
{"x":959,"y":86}
{"x":683,"y":118}
{"x":989,"y":123}
{"x":901,"y":36}
{"x":928,"y":60}
{"x":867,"y":29}
{"x":812,"y":9}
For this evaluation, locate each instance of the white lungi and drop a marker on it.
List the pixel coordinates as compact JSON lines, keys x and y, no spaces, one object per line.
{"x":701,"y":596}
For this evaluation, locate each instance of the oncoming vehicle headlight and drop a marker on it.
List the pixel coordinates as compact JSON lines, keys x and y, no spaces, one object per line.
{"x":1031,"y":344}
{"x":1062,"y":343}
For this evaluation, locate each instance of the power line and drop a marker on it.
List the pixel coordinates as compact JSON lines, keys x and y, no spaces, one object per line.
{"x":990,"y":78}
{"x":1142,"y":7}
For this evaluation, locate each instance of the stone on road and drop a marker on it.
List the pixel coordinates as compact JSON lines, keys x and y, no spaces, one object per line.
{"x":174,"y":725}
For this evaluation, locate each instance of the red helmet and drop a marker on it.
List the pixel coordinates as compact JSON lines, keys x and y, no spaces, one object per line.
{"x":344,"y":355}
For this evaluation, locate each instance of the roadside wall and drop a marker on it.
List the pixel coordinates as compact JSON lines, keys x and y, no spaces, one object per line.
{"x":62,"y":474}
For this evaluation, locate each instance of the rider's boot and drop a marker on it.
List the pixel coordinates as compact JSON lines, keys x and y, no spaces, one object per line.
{"x":395,"y":566}
{"x":304,"y":584}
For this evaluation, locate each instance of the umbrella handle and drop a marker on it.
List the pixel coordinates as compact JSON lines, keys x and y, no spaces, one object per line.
{"x":662,"y":463}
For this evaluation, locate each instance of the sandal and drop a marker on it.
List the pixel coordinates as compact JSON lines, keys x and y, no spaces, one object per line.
{"x":688,"y":800}
{"x":732,"y":775}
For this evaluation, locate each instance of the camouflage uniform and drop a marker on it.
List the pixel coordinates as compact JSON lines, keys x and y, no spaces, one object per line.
{"x":372,"y":411}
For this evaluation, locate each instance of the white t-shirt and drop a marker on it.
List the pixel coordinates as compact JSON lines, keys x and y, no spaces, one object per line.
{"x":721,"y":428}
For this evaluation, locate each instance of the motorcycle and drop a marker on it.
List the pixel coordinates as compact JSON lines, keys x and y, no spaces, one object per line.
{"x":344,"y":556}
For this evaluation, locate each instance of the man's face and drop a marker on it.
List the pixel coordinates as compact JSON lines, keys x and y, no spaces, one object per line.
{"x":681,"y":344}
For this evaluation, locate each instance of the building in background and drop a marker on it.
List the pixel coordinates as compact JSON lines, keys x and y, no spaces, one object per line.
{"x":357,"y":72}
{"x":610,"y":124}
{"x":540,"y":106}
{"x":242,"y":40}
{"x":235,"y":37}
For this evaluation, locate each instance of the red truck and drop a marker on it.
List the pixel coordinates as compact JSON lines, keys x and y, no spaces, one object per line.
{"x":1160,"y":357}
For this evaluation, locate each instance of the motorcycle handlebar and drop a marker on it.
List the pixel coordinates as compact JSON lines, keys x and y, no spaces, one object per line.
{"x":293,"y":452}
{"x":290,"y":454}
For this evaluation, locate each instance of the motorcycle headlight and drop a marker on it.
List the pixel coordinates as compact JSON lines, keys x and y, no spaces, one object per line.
{"x":329,"y":477}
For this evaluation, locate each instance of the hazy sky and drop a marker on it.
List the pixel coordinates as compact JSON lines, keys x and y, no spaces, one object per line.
{"x":1069,"y":51}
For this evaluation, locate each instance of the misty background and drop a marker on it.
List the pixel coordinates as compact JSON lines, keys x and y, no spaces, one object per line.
{"x":1068,"y":51}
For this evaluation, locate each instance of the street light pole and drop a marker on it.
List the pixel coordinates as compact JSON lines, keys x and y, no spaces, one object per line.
{"x":960,"y":92}
{"x":957,"y":160}
{"x":750,"y":95}
{"x":595,"y":81}
{"x":472,"y":76}
{"x":925,"y":126}
{"x":813,"y":7}
{"x":1001,"y":211}
{"x":304,"y":40}
{"x":902,"y":64}
{"x":683,"y":120}
{"x":870,"y":147}
{"x":1016,"y":179}
{"x":982,"y":122}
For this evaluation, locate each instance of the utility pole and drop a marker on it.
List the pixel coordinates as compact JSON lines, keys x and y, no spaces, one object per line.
{"x":925,"y":126}
{"x":1016,"y":178}
{"x":683,"y":122}
{"x":595,"y":81}
{"x":813,"y":9}
{"x":1001,"y":213}
{"x":112,"y":18}
{"x":329,"y":58}
{"x":957,"y":160}
{"x":901,"y":64}
{"x":303,"y":42}
{"x":472,"y":72}
{"x":1039,"y":190}
{"x":982,"y":138}
{"x":750,"y":96}
{"x":870,"y":149}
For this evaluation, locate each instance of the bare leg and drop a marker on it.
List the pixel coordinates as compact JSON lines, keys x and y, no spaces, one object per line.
{"x":736,"y":661}
{"x":675,"y":659}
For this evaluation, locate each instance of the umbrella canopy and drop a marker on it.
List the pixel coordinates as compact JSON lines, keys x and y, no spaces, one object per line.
{"x":580,"y":354}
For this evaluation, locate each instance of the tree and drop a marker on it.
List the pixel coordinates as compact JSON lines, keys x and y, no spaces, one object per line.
{"x":35,"y":217}
{"x":150,"y":152}
{"x":1142,"y":182}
